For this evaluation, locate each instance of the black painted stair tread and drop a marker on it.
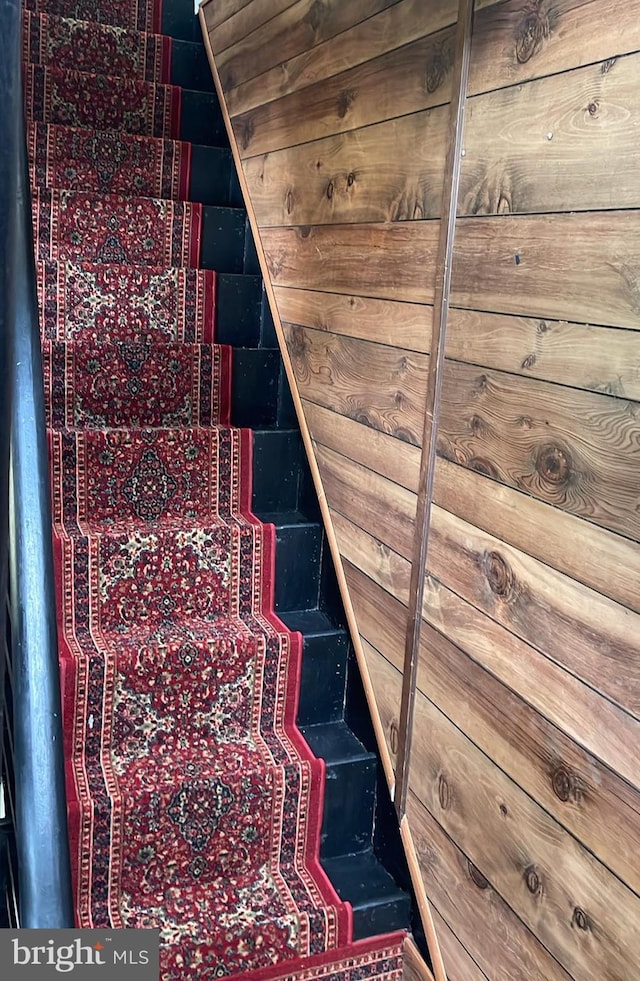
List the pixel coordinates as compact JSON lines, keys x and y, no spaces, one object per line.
{"x":335,"y":743}
{"x":378,"y":903}
{"x":312,"y":623}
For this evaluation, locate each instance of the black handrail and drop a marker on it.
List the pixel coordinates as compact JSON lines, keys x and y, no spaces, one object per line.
{"x":43,"y":868}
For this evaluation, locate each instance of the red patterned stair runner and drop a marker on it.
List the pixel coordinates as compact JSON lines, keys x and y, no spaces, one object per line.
{"x":194,"y":803}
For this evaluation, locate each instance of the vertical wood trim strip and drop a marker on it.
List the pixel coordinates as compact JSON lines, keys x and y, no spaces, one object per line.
{"x":434,"y":390}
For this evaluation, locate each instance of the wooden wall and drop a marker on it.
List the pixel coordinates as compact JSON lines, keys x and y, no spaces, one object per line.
{"x":524,"y":775}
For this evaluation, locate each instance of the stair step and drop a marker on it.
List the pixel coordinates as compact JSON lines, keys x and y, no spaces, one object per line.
{"x":201,"y":119}
{"x":127,"y":105}
{"x":140,"y":304}
{"x":297,"y":583}
{"x":276,"y":470}
{"x":190,"y":66}
{"x":83,"y":45}
{"x":179,"y":21}
{"x":75,"y":226}
{"x":255,"y":391}
{"x":140,"y":477}
{"x":349,"y":791}
{"x":323,"y":679}
{"x":77,"y":159}
{"x":379,"y":905}
{"x":239,"y":310}
{"x":119,"y":385}
{"x":103,"y":102}
{"x":139,"y":15}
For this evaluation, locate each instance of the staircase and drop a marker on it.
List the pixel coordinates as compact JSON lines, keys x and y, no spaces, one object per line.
{"x":143,"y":246}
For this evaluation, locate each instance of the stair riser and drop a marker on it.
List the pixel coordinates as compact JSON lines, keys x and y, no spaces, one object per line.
{"x":324,"y":672}
{"x":349,"y":799}
{"x":369,"y":921}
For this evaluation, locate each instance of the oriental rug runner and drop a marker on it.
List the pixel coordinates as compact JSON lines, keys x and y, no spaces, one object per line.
{"x":194,"y":803}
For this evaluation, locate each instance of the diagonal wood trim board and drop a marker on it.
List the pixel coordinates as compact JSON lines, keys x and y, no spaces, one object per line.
{"x":434,"y":395}
{"x":417,"y":966}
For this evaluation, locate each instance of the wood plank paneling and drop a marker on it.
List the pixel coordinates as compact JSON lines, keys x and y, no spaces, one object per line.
{"x":572,"y":449}
{"x":367,"y":552}
{"x":587,"y":798}
{"x":524,"y":795}
{"x":510,"y":263}
{"x":387,"y":682}
{"x":584,"y":915}
{"x":293,"y":31}
{"x":394,"y":323}
{"x":504,"y":949}
{"x":460,"y":966}
{"x":591,"y":636}
{"x":595,"y":358}
{"x":341,"y":373}
{"x":519,"y":40}
{"x":232,"y":20}
{"x":402,"y":23}
{"x":540,"y":530}
{"x":599,"y":726}
{"x":391,"y":171}
{"x":388,"y":260}
{"x":393,"y":458}
{"x":370,"y":500}
{"x":354,"y":98}
{"x":550,"y":147}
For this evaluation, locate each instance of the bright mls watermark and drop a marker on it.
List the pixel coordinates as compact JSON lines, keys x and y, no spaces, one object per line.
{"x":128,"y":955}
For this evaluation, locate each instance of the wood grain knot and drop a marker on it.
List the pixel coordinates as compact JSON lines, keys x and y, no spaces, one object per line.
{"x":504,"y":810}
{"x":364,"y":418}
{"x":444,"y":792}
{"x":330,"y":189}
{"x":499,"y":574}
{"x":393,"y":737}
{"x":528,"y":362}
{"x":304,"y":231}
{"x":245,"y":131}
{"x":592,"y":108}
{"x":607,"y":65}
{"x":476,"y":876}
{"x":554,"y":464}
{"x":480,"y":384}
{"x":351,"y":179}
{"x":532,"y":880}
{"x":481,"y":465}
{"x":580,"y":919}
{"x":297,"y":342}
{"x":532,"y":32}
{"x":436,"y":70}
{"x":315,"y":16}
{"x":288,"y":201}
{"x":562,"y":783}
{"x":345,"y":101}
